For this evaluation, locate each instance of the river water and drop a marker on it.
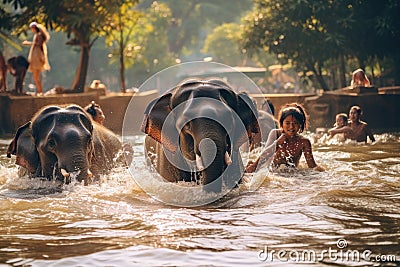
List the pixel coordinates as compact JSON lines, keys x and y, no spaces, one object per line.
{"x":348,"y":215}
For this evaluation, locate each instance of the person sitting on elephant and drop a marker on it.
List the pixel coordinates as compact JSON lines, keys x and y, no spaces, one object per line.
{"x":96,"y":112}
{"x":98,"y":116}
{"x":286,"y":145}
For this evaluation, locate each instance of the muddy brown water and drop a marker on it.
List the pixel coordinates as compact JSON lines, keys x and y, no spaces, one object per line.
{"x":348,"y":215}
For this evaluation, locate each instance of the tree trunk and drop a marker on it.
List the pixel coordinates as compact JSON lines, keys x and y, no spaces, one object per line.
{"x":78,"y":85}
{"x":3,"y":74}
{"x":122,"y":66}
{"x":122,"y":74}
{"x":342,"y":72}
{"x":318,"y":76}
{"x":121,"y":56}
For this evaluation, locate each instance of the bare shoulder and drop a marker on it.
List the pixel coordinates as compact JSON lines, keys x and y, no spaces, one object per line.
{"x":304,"y":141}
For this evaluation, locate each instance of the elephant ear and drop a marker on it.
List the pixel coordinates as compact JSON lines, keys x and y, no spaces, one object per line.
{"x":155,"y":115}
{"x":248,"y":113}
{"x":23,"y":146}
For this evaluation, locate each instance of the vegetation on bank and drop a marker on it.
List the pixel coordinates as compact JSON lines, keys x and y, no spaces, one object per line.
{"x":124,"y":42}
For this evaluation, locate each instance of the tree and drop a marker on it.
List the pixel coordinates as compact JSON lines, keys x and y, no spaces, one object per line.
{"x":309,"y":34}
{"x":119,"y":33}
{"x":223,"y":44}
{"x":192,"y":18}
{"x":146,"y":47}
{"x":83,"y":21}
{"x":294,"y":31}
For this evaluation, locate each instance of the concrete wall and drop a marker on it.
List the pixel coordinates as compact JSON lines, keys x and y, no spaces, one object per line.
{"x":380,"y":110}
{"x":17,"y":110}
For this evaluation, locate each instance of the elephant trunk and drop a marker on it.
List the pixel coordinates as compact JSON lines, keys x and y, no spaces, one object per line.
{"x":212,"y":159}
{"x":76,"y":167}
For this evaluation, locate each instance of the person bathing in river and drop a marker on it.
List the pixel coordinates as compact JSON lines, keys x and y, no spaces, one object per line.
{"x":96,"y":112}
{"x":341,"y":127}
{"x":359,"y":130}
{"x":285,"y":144}
{"x":98,"y":116}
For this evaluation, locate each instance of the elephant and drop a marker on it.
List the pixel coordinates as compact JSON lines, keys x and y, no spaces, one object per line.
{"x":62,"y":141}
{"x":194,"y":132}
{"x":18,"y":67}
{"x":267,"y":123}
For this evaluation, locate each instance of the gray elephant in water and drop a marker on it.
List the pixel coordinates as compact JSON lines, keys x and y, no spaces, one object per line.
{"x":194,"y":132}
{"x":64,"y":140}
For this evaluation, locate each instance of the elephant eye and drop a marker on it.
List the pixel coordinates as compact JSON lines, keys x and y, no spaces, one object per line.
{"x":51,"y":144}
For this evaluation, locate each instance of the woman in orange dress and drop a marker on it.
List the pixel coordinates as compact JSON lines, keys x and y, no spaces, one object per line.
{"x":37,"y":58}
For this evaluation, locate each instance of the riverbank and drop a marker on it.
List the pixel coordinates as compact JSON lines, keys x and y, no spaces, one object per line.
{"x":380,"y":107}
{"x":17,"y":110}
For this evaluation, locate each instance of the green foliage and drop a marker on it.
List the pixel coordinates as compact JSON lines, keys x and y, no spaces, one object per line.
{"x":311,"y":33}
{"x":191,"y":20}
{"x":83,"y":21}
{"x":142,"y":44}
{"x":223,"y":44}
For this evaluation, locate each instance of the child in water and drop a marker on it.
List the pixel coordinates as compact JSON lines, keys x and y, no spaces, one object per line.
{"x":289,"y":144}
{"x":341,"y":127}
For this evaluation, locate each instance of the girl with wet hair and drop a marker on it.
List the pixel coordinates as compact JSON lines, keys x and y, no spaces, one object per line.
{"x":285,"y":144}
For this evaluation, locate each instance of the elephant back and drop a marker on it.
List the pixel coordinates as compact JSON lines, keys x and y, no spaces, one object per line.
{"x":106,"y":146}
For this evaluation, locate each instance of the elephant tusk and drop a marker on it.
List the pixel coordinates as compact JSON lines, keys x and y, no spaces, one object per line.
{"x":65,"y":173}
{"x":199,"y":163}
{"x":228,"y":159}
{"x":90,"y":174}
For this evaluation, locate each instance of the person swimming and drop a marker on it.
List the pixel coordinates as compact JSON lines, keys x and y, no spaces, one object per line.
{"x":341,"y":127}
{"x":286,"y":145}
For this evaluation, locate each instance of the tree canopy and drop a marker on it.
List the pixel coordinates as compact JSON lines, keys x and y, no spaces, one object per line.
{"x":323,"y":37}
{"x":310,"y":34}
{"x":83,"y":21}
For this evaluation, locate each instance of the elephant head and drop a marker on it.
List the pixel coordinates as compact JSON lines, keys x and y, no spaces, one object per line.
{"x":57,"y":143}
{"x":196,"y":130}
